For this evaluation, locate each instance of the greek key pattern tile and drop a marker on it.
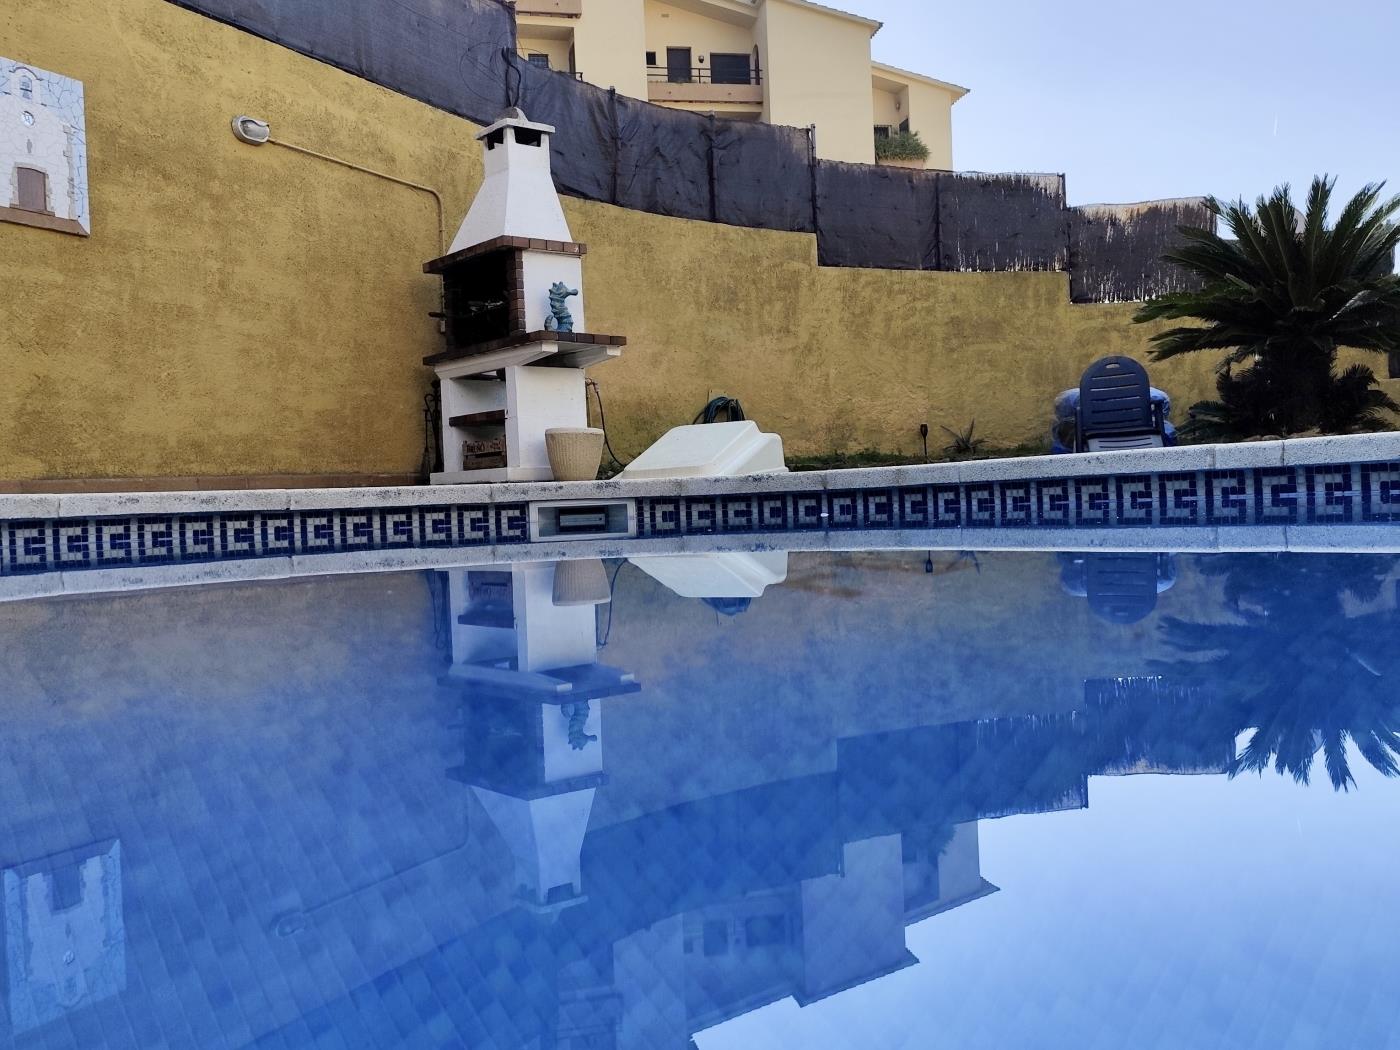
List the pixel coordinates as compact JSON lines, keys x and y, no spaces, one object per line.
{"x":1347,"y":494}
{"x":1311,"y":495}
{"x":69,"y":544}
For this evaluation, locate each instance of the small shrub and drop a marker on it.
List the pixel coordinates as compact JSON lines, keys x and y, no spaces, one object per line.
{"x":964,"y":443}
{"x":902,"y":145}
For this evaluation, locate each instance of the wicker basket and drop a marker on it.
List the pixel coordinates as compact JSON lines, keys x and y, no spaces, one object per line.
{"x":575,"y":453}
{"x":581,"y":583}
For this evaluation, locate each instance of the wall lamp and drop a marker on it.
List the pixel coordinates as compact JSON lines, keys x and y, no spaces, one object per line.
{"x":257,"y":132}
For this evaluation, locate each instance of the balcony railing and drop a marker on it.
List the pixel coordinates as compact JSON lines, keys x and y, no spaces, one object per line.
{"x":703,"y":75}
{"x":558,"y":8}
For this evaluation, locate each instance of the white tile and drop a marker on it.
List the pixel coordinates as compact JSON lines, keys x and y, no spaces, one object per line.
{"x":34,"y":585}
{"x":1349,"y":448}
{"x":397,"y":496}
{"x":1368,"y":539}
{"x":793,"y":481}
{"x":1253,"y":538}
{"x":931,"y":474}
{"x":131,"y":504}
{"x":1249,"y":454}
{"x":148,"y":577}
{"x":15,"y":506}
{"x":869,"y":478}
{"x":1160,"y":540}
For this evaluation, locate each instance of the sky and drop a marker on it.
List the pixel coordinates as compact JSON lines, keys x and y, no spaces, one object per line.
{"x":1134,"y":100}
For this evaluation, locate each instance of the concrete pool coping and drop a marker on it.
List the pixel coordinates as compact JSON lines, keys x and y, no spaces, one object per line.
{"x":1358,"y":448}
{"x":1369,"y":461}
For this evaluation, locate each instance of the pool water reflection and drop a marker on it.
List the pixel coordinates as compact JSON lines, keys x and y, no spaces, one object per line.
{"x":855,"y":800}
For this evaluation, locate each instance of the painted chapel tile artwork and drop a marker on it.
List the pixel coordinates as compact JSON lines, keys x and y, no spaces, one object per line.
{"x":43,"y":149}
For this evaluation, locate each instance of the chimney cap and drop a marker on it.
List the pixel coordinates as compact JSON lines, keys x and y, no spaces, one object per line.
{"x":514,"y":117}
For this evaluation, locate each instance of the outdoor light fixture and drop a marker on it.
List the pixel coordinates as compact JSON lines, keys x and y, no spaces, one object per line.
{"x":251,"y":130}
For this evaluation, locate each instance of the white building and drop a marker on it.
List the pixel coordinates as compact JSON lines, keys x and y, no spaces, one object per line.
{"x":40,"y":161}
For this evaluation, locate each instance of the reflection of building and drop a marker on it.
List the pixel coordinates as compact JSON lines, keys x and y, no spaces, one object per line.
{"x":65,"y":942}
{"x":780,"y":61}
{"x":39,"y":176}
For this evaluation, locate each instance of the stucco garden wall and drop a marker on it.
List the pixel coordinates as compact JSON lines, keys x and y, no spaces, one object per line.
{"x":252,"y":311}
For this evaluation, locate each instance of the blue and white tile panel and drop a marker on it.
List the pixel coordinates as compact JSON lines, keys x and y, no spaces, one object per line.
{"x":1347,"y":494}
{"x":1290,"y":484}
{"x":68,"y":544}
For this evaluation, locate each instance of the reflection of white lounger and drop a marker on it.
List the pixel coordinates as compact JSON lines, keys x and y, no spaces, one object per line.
{"x":727,"y":575}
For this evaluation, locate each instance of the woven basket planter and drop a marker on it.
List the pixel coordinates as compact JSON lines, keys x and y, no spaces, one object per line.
{"x":575,"y":453}
{"x":581,"y":583}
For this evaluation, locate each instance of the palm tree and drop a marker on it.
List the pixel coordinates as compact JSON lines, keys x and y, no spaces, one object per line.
{"x":1280,"y":300}
{"x":1293,"y":669}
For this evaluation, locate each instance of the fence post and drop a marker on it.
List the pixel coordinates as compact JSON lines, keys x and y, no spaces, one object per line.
{"x":710,"y":156}
{"x":616,"y":142}
{"x":938,"y":220}
{"x":812,"y":180}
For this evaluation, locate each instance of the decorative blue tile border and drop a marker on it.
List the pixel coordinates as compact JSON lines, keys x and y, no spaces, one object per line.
{"x":69,"y":544}
{"x":1296,"y":495}
{"x":1309,"y":494}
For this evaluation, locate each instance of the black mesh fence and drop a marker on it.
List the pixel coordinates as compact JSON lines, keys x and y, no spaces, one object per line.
{"x":459,"y":55}
{"x":1002,"y":222}
{"x":448,"y":53}
{"x":1116,"y":249}
{"x":878,"y":217}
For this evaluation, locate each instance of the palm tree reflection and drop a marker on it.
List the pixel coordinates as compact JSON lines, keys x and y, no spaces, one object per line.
{"x":1302,"y":669}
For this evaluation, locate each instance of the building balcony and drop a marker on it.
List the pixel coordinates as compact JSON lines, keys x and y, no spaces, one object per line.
{"x":557,"y":8}
{"x":704,"y":85}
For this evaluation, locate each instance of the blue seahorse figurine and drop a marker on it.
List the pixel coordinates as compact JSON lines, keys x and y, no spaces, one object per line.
{"x":559,"y":319}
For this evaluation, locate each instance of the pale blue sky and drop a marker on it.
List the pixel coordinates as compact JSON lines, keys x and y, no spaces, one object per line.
{"x":1135,"y":100}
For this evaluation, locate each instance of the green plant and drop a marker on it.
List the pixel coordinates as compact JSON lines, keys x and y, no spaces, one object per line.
{"x":1280,"y":300}
{"x":900,"y":145}
{"x":964,"y":444}
{"x":1293,"y":668}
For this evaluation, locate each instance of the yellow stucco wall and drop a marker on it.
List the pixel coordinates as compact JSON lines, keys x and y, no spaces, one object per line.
{"x":242,"y":310}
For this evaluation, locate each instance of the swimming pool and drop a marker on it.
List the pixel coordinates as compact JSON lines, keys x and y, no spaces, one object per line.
{"x":849,"y":800}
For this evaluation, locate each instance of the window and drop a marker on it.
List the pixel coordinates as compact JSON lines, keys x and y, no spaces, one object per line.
{"x":904,"y":126}
{"x":882,"y":131}
{"x":1394,"y":361}
{"x":730,"y":69}
{"x":542,"y":61}
{"x":651,"y":58}
{"x":33,"y":190}
{"x":26,"y":88}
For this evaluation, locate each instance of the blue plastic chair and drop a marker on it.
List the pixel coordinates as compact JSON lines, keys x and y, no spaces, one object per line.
{"x":1116,"y":409}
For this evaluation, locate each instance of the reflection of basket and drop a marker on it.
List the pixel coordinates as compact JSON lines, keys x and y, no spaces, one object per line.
{"x":575,"y":453}
{"x":581,"y":583}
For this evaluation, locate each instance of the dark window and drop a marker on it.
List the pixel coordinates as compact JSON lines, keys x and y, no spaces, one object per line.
{"x":1394,"y":364}
{"x":730,"y":69}
{"x":716,"y":938}
{"x":26,"y":88}
{"x":67,"y":888}
{"x":651,"y":58}
{"x":882,"y":131}
{"x":762,"y":930}
{"x":539,"y":60}
{"x":678,"y":65}
{"x":904,"y":125}
{"x":33,"y":190}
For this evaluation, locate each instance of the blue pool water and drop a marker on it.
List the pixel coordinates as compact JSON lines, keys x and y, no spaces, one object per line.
{"x":893,"y":800}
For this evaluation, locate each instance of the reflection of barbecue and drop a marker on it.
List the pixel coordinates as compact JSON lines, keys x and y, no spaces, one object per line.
{"x":577,"y":716}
